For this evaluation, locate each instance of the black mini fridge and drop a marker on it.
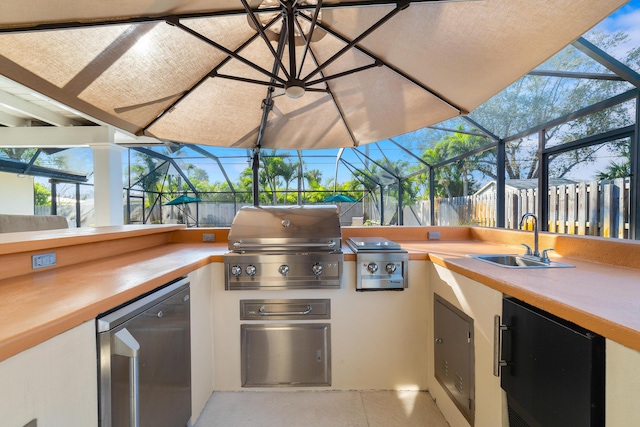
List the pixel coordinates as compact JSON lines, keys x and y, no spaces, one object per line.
{"x":555,"y":370}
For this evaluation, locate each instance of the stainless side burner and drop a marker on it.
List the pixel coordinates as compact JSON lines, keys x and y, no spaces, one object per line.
{"x":380,"y":264}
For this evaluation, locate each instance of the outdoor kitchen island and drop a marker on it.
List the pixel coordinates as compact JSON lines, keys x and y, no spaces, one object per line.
{"x":47,"y":341}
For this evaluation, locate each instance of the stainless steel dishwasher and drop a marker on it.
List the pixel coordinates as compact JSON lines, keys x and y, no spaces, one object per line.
{"x":144,"y":350}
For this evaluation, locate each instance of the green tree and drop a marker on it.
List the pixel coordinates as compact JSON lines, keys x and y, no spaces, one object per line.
{"x":41,"y":195}
{"x":533,"y":100}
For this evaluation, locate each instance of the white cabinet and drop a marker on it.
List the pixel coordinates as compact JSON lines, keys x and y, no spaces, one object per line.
{"x":481,"y":303}
{"x":202,"y":283}
{"x":378,"y":339}
{"x":622,"y":381}
{"x":54,"y":382}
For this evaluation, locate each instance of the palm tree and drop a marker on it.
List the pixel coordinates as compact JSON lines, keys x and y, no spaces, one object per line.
{"x":615,"y":170}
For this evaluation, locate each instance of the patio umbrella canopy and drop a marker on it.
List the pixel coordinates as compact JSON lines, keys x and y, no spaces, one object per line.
{"x":180,"y":200}
{"x":282,"y":74}
{"x":340,"y":198}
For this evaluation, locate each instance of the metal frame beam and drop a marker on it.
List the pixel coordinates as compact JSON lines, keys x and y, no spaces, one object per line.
{"x":634,"y":199}
{"x":575,"y":75}
{"x":608,"y":61}
{"x":610,"y":102}
{"x":18,"y":167}
{"x":170,"y":161}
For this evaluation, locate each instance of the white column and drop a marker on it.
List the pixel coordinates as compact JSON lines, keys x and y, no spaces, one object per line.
{"x":107,"y":183}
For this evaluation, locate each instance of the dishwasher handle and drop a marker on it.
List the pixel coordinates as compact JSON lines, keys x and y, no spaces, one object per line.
{"x":124,"y":344}
{"x":263,"y":312}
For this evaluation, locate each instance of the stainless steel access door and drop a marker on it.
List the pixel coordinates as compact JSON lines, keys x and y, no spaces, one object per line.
{"x":145,"y":361}
{"x":454,"y":355}
{"x":286,"y":355}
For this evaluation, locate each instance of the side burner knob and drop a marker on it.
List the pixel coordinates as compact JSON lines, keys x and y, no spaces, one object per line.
{"x":391,"y":268}
{"x":372,"y":267}
{"x":317,"y":268}
{"x":283,"y":269}
{"x":236,"y":270}
{"x":251,"y":270}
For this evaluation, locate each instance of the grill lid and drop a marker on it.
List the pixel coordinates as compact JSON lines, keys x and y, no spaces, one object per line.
{"x":286,"y":228}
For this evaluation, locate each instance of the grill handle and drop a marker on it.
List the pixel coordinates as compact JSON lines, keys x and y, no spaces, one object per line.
{"x":262,"y":312}
{"x":241,"y":245}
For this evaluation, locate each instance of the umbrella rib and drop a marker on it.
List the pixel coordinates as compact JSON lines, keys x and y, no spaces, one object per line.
{"x":260,"y":30}
{"x":291,"y":39}
{"x":211,"y":74}
{"x":401,"y":5}
{"x":246,"y":80}
{"x":316,"y":14}
{"x":333,"y":98}
{"x":64,"y":25}
{"x":345,"y":73}
{"x":176,"y":22}
{"x":460,"y":110}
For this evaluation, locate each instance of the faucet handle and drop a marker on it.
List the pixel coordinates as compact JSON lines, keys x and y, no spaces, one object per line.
{"x":528,"y":252}
{"x":544,"y":257}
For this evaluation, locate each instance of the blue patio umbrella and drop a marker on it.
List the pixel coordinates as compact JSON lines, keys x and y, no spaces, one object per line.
{"x":181,"y":200}
{"x":340,"y":198}
{"x":184,"y":200}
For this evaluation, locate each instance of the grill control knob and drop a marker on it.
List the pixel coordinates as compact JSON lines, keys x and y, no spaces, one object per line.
{"x":391,"y":268}
{"x":372,"y":267}
{"x":251,"y":270}
{"x":283,"y":269}
{"x":317,"y":268}
{"x":236,"y":270}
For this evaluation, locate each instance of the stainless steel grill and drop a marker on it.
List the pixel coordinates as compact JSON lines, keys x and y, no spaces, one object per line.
{"x":285,"y":247}
{"x":380,"y":264}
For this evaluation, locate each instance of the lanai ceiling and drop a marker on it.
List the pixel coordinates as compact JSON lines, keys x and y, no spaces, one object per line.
{"x":270,"y":74}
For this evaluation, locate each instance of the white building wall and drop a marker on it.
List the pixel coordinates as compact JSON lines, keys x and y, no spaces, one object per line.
{"x":16,"y":194}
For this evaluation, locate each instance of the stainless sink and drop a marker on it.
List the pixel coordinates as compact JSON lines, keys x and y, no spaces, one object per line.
{"x":517,"y":261}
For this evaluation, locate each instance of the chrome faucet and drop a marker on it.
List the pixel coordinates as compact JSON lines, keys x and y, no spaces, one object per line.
{"x":535,"y":234}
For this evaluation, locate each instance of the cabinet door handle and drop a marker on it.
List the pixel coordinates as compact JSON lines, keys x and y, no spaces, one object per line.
{"x":124,"y":344}
{"x":263,"y":312}
{"x":498,"y":328}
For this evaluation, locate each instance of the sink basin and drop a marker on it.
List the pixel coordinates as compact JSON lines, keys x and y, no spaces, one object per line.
{"x":517,"y":261}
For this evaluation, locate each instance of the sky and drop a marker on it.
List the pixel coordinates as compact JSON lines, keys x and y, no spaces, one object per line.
{"x":626,"y":19}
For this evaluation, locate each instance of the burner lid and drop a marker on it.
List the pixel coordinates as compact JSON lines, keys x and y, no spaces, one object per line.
{"x":372,"y":244}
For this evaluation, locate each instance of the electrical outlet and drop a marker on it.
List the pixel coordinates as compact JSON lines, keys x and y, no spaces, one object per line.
{"x":208,"y":237}
{"x":433,"y":235}
{"x":43,"y":260}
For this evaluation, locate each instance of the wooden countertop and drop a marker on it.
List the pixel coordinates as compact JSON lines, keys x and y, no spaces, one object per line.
{"x":36,"y":306}
{"x":602,"y":298}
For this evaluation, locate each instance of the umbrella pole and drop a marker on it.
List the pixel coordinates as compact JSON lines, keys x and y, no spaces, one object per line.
{"x":185,"y":214}
{"x":255,"y":163}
